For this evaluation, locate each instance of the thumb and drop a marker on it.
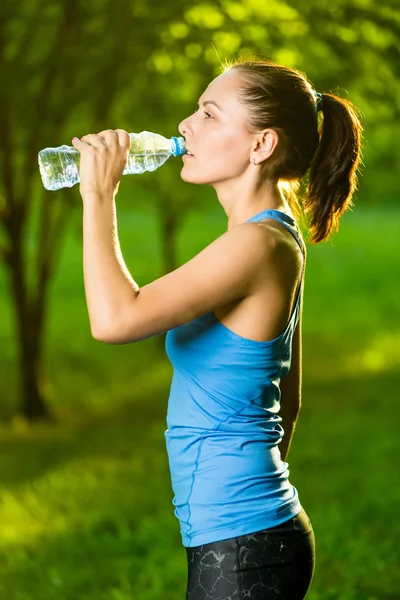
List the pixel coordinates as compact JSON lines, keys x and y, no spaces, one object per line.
{"x":77,"y":143}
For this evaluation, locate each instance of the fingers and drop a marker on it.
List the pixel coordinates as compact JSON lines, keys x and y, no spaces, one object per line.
{"x":120,"y":135}
{"x":76,"y":142}
{"x":108,"y":137}
{"x":96,"y":140}
{"x":124,"y":138}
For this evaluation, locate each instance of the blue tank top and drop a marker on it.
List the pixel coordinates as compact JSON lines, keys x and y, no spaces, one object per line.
{"x":223,"y":425}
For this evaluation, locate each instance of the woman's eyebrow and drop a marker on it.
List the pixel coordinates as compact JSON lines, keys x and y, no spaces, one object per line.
{"x":210,"y":102}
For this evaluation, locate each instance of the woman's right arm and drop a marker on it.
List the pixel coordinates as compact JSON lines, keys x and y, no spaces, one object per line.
{"x":291,"y":391}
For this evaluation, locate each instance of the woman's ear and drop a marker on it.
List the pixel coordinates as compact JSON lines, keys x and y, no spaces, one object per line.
{"x":267,"y":141}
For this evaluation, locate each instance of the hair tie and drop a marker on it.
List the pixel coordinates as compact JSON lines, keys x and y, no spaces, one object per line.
{"x":319,"y":101}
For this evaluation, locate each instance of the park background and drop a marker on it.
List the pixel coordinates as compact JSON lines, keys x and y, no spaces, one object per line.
{"x":85,"y":496}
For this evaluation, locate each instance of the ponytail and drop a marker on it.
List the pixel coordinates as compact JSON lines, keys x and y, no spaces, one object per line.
{"x":282,"y":98}
{"x":333,"y":170}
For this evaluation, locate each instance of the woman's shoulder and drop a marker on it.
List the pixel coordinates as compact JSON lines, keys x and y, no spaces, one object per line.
{"x":278,"y":238}
{"x":283,"y":251}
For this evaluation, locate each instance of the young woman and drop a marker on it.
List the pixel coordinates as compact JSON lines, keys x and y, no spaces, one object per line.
{"x":233,"y":316}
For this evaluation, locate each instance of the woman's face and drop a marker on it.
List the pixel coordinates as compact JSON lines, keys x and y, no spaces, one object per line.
{"x":217,"y":135}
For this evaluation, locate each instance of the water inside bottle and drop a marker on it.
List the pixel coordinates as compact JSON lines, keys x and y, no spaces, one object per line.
{"x":59,"y":169}
{"x":147,"y":153}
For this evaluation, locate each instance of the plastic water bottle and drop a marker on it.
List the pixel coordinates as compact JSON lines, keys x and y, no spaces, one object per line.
{"x":59,"y":167}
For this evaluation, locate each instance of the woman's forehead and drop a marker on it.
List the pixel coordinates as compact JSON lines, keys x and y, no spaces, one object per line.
{"x":223,"y":90}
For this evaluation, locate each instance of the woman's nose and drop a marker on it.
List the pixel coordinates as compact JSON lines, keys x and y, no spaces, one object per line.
{"x":184,"y":127}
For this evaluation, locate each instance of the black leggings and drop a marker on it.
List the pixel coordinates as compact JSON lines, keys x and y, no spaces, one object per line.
{"x":272,"y":564}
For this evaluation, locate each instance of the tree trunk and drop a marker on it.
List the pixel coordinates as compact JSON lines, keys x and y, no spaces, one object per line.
{"x":29,"y":324}
{"x":34,"y":384}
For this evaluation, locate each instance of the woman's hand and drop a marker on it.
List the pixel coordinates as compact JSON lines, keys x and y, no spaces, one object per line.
{"x":103,"y":159}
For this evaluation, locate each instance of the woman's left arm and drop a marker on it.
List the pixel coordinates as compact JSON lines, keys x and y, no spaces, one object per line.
{"x":108,"y":283}
{"x":109,"y":286}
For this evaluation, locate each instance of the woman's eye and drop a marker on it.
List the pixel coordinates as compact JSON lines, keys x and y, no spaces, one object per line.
{"x":208,"y":116}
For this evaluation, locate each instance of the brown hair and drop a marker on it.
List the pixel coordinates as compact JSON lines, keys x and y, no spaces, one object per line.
{"x":282,"y":98}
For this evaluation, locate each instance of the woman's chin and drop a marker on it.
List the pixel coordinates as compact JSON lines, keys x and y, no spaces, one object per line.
{"x":189,"y":178}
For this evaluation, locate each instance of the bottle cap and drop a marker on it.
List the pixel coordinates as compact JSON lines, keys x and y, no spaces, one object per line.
{"x":178,"y":146}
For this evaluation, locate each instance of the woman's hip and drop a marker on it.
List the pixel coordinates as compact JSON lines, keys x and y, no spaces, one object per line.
{"x":275,"y":563}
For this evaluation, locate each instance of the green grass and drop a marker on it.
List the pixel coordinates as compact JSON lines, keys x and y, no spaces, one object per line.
{"x":86,"y":507}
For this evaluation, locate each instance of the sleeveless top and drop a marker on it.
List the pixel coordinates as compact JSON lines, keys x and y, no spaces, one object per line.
{"x":223,"y":425}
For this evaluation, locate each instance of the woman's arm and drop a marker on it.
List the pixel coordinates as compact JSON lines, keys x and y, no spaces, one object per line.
{"x":291,"y":391}
{"x":121,"y":312}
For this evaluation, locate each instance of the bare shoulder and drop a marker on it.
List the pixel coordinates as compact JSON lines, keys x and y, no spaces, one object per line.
{"x":275,"y":278}
{"x":280,"y":247}
{"x":277,"y":234}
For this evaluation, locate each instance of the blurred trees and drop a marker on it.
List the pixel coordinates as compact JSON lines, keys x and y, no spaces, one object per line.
{"x":70,"y":67}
